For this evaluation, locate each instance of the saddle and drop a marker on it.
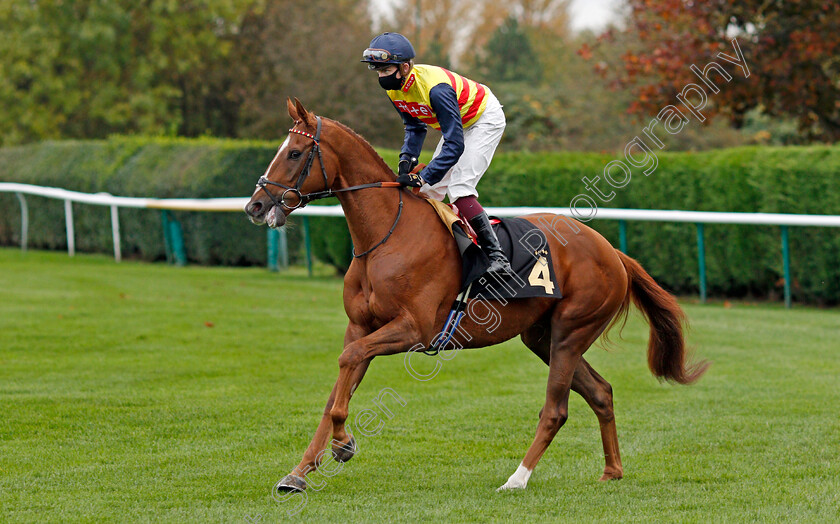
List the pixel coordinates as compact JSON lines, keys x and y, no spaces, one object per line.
{"x":525,"y":246}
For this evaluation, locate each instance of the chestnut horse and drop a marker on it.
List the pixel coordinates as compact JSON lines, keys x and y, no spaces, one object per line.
{"x":407,"y":272}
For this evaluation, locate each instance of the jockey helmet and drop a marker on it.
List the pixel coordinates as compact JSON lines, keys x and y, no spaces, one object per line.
{"x":388,"y":48}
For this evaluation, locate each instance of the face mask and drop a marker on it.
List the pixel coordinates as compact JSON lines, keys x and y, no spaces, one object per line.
{"x":391,"y":82}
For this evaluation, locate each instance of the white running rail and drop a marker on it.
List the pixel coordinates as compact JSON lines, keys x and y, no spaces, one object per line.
{"x":238,"y":204}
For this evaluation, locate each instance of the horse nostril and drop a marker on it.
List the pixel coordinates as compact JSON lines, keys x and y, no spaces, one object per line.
{"x":254,"y":208}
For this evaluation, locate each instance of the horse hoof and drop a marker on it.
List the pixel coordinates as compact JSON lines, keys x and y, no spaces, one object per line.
{"x":344,"y":452}
{"x":510,"y":486}
{"x":610,"y":476}
{"x":291,"y":483}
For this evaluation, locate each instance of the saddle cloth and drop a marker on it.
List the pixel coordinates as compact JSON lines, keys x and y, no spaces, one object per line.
{"x":525,"y":247}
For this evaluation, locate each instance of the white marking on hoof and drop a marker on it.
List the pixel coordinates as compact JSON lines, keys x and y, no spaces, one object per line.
{"x":518,"y":480}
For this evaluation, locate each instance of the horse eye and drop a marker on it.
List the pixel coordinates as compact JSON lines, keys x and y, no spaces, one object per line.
{"x":294,"y":154}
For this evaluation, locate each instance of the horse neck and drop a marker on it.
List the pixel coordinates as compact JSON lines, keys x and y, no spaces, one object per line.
{"x":370,"y":213}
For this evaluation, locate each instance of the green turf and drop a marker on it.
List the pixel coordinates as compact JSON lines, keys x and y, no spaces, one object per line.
{"x":138,"y":392}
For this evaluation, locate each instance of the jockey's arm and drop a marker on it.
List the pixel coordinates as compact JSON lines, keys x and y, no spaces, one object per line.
{"x":415,"y":134}
{"x":445,"y":105}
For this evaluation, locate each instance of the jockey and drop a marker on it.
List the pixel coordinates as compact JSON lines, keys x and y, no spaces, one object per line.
{"x":467,"y":114}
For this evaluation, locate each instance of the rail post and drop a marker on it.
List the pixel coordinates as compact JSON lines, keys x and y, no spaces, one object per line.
{"x":178,"y":243}
{"x":786,"y":265}
{"x":272,"y":248}
{"x":173,"y":237}
{"x":701,"y":261}
{"x":71,"y":233}
{"x":24,"y":221}
{"x":115,"y":231}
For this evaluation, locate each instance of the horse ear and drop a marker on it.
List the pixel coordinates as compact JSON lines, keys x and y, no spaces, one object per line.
{"x":292,"y":109}
{"x":304,"y":115}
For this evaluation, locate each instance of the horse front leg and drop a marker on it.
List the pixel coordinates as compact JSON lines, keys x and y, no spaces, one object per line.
{"x":394,"y":337}
{"x":314,"y":454}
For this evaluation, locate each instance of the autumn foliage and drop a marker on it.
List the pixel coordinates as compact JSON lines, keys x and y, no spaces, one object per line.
{"x":792,"y":48}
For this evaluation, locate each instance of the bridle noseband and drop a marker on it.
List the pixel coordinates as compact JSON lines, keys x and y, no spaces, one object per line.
{"x":303,"y":199}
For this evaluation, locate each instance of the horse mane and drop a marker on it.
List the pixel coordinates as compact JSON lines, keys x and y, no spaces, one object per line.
{"x":365,"y":144}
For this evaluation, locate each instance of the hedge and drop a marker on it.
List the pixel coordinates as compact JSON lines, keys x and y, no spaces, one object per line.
{"x":152,"y":167}
{"x":742,"y":261}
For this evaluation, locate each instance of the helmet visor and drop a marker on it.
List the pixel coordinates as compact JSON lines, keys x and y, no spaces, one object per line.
{"x":380,"y":56}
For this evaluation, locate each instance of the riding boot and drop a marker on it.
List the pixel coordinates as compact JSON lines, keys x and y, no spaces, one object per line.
{"x":489,"y":243}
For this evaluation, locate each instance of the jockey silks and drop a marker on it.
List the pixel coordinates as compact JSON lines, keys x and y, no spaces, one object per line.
{"x":414,"y":98}
{"x":446,"y":101}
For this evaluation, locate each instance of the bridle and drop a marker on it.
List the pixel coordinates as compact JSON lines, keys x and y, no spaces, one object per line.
{"x":303,"y":199}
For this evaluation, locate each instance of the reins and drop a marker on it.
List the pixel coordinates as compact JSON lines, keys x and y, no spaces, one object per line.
{"x":303,"y":199}
{"x":393,"y":227}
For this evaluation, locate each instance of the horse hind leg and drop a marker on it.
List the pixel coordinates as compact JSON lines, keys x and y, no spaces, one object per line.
{"x":597,"y":392}
{"x":565,"y":351}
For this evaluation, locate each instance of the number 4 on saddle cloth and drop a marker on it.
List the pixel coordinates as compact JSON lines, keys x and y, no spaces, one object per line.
{"x":524,"y":245}
{"x":527,"y":251}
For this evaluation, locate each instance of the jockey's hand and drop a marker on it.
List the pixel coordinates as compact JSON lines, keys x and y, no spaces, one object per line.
{"x":410,"y":179}
{"x":406,"y":165}
{"x":407,"y":174}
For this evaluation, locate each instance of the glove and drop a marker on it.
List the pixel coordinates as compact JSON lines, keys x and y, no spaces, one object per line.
{"x":406,"y":165}
{"x":410,"y":179}
{"x":407,"y":175}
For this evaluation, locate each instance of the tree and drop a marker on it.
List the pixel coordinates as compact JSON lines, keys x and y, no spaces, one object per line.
{"x":311,"y":50}
{"x":436,"y":28}
{"x":90,"y":68}
{"x":792,"y":49}
{"x":453,"y":31}
{"x":509,"y":56}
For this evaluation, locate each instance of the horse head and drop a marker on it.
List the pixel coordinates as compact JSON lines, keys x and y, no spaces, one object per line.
{"x":287,"y":184}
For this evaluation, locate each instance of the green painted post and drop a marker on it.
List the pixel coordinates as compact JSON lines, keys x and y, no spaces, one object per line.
{"x":177,"y":237}
{"x":307,"y":241}
{"x":272,"y":249}
{"x":701,"y":262}
{"x":786,"y":263}
{"x":622,"y":235}
{"x":167,"y":238}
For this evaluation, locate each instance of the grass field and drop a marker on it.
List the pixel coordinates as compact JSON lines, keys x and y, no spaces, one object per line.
{"x":138,"y":392}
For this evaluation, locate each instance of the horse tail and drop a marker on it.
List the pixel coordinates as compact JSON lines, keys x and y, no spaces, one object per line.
{"x":667,"y":353}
